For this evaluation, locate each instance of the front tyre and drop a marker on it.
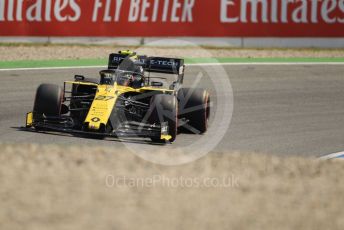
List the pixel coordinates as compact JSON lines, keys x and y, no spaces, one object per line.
{"x":164,"y":108}
{"x":48,"y":100}
{"x":194,"y":106}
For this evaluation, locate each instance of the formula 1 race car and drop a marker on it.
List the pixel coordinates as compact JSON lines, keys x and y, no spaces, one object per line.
{"x":127,"y":101}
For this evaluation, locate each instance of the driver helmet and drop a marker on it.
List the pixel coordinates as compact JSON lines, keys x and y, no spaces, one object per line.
{"x":125,"y":79}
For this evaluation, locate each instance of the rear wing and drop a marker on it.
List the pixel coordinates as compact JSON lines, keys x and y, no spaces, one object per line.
{"x":165,"y":65}
{"x":150,"y":64}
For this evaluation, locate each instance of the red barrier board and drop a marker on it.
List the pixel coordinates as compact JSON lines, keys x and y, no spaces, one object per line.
{"x":207,"y":18}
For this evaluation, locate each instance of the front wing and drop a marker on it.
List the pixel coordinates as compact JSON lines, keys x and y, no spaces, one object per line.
{"x":126,"y":130}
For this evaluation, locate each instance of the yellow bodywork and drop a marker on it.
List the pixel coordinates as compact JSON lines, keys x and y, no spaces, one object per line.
{"x":101,"y":107}
{"x":105,"y":100}
{"x":29,"y":119}
{"x":104,"y":103}
{"x":166,"y":137}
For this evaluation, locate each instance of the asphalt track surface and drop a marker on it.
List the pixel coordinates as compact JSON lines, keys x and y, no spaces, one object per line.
{"x":278,"y":109}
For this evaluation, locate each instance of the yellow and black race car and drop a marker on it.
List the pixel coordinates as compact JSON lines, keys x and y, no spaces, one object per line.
{"x":132,"y":98}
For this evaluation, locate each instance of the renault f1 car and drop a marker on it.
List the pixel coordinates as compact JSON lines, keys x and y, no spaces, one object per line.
{"x":126,"y":101}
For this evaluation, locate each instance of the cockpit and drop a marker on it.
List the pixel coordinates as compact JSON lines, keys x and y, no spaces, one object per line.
{"x":132,"y":79}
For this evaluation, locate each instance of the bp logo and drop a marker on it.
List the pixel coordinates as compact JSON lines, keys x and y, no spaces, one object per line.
{"x":95,"y":119}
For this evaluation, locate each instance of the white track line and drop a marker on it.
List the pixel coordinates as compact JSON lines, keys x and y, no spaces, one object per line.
{"x":332,"y":156}
{"x":198,"y":64}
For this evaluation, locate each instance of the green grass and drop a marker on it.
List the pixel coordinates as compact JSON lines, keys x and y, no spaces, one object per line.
{"x":103,"y":62}
{"x":261,"y":60}
{"x":52,"y":63}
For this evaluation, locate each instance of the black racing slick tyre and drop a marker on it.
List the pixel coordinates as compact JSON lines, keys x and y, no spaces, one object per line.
{"x":194,"y":106}
{"x":48,"y":100}
{"x":164,"y":108}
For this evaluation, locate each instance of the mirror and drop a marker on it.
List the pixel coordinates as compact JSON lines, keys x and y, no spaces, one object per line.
{"x":79,"y":77}
{"x":157,"y":84}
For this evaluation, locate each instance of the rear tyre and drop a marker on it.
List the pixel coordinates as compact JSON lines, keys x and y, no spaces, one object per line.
{"x":194,"y":106}
{"x":164,"y":109}
{"x":48,"y":100}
